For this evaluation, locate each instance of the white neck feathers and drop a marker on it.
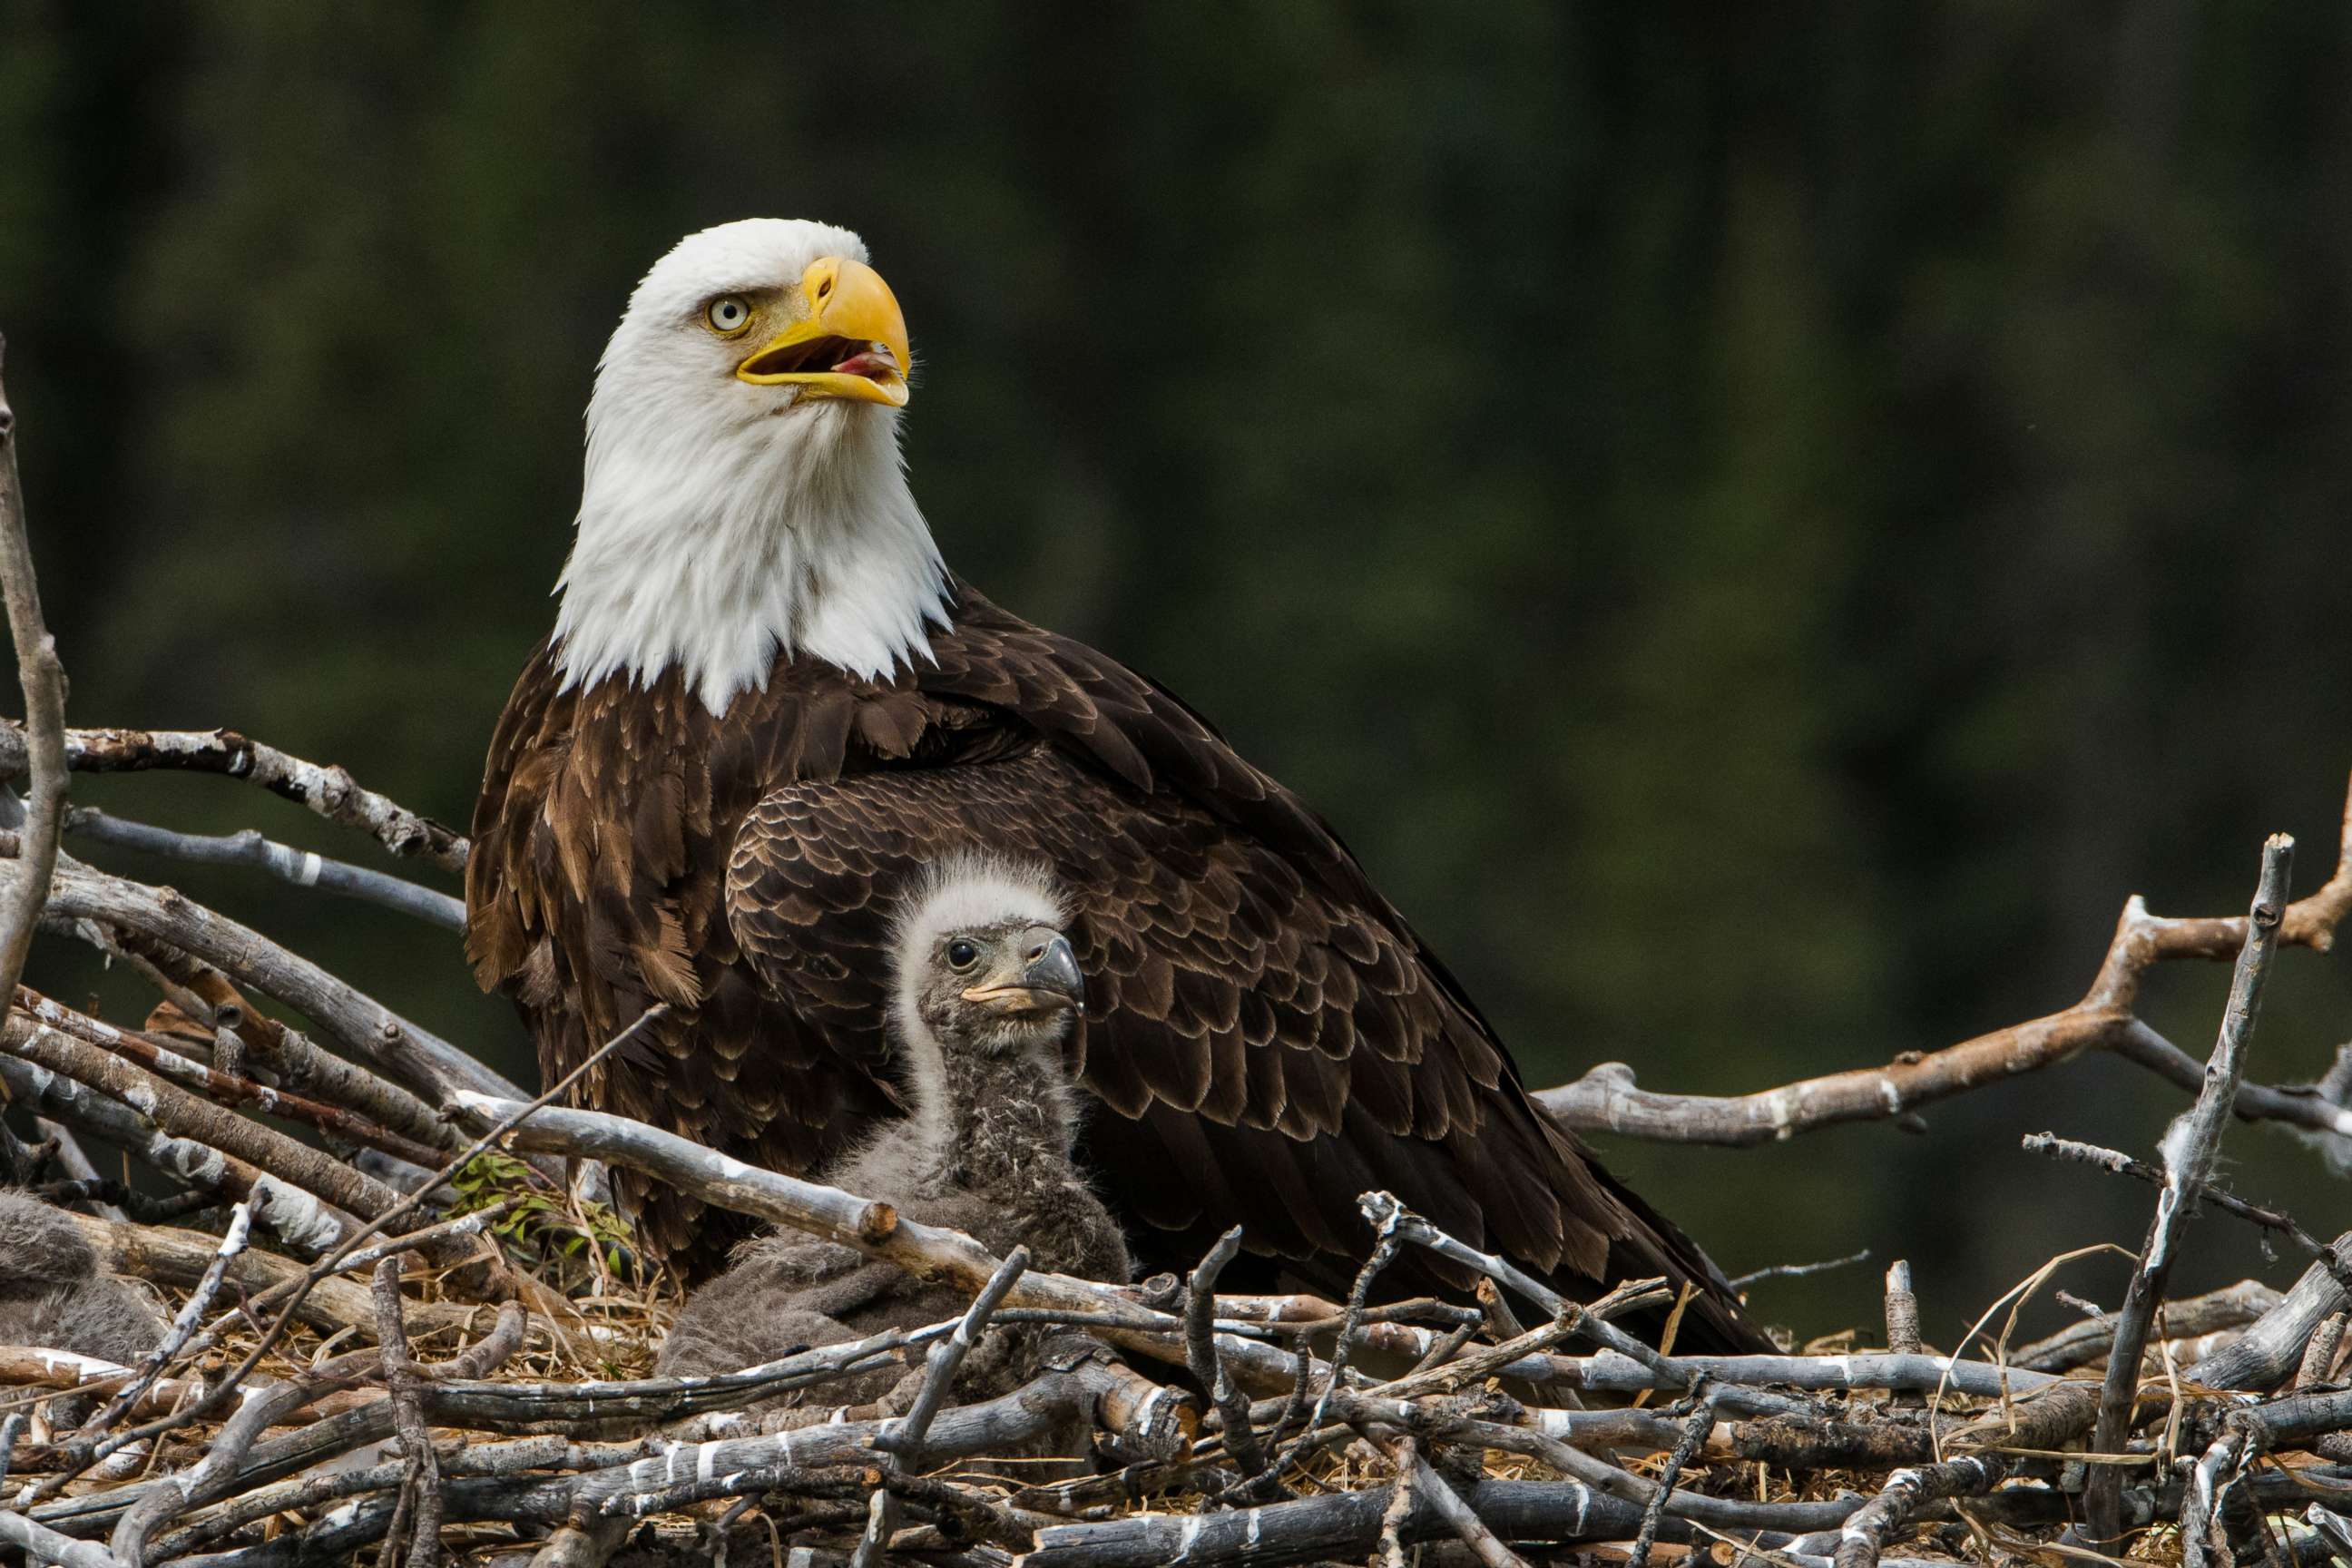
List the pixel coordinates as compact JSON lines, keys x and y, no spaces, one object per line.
{"x":718,"y":545}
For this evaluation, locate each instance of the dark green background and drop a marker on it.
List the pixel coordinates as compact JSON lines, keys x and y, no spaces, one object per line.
{"x":1762,"y":530}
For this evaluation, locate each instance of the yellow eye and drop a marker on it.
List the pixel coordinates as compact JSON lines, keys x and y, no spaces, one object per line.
{"x":728,"y":314}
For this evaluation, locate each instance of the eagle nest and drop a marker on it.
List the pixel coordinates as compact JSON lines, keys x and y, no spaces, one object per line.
{"x":362,"y":1304}
{"x":427,"y":1345}
{"x":479,"y":1390}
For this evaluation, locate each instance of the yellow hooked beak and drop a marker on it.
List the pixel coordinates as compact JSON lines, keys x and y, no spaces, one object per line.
{"x":850,"y":342}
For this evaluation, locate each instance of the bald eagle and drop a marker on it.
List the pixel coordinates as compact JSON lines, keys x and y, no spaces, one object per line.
{"x":767,"y":704}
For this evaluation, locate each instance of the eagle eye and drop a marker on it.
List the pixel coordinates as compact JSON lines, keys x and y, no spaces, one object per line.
{"x":962,"y":954}
{"x":728,"y":314}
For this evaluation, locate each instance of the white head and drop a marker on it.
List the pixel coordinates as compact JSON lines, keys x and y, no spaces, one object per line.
{"x":743,"y":494}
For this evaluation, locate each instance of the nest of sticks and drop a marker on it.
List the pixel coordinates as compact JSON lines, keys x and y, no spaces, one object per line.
{"x":411,"y":1394}
{"x":403,"y":1331}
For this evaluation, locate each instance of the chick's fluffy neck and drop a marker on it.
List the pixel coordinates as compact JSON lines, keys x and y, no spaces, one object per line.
{"x":987,"y":1119}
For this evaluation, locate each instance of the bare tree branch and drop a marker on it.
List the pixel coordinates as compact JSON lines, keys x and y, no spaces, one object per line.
{"x":213,"y":1084}
{"x":2191,"y":1318}
{"x":283,"y":861}
{"x":43,"y":1544}
{"x":1797,"y":1270}
{"x":420,"y":1494}
{"x":1865,"y":1533}
{"x":1337,"y":1525}
{"x":205,"y":994}
{"x":1413,"y":1473}
{"x":410,"y":1053}
{"x":1607,"y":1100}
{"x":945,"y":1355}
{"x":2189,"y":1148}
{"x":1208,"y":1370}
{"x":2123,"y":1164}
{"x":306,"y":1195}
{"x":43,"y":677}
{"x":328,"y":791}
{"x":2271,"y":1351}
{"x":299,"y":1191}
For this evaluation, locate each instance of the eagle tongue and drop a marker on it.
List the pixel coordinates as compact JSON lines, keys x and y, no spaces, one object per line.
{"x":873,"y":362}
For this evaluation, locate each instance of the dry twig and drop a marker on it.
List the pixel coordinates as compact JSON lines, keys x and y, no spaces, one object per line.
{"x":1607,"y":1100}
{"x":2189,"y":1152}
{"x":328,"y":791}
{"x":43,"y":678}
{"x":300,"y":866}
{"x":1208,"y":1368}
{"x":416,"y":1515}
{"x":410,"y":1053}
{"x":2123,"y":1164}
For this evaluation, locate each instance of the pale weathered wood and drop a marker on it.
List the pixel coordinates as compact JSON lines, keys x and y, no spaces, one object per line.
{"x":327,"y":790}
{"x":404,"y":1051}
{"x":1607,"y":1100}
{"x":43,"y":677}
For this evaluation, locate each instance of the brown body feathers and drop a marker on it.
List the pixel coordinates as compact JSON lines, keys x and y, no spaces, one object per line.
{"x":1266,"y":1035}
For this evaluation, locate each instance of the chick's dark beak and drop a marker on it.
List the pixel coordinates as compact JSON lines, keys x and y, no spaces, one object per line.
{"x":1052,"y":970}
{"x":1038,"y":975}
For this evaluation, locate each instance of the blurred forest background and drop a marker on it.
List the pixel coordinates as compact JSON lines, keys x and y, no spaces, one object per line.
{"x":1762,"y":530}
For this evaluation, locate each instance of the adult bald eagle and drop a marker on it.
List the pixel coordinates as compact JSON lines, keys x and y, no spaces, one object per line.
{"x":767,"y":704}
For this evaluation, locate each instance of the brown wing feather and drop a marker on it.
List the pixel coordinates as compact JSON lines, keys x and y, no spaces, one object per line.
{"x":594,"y":890}
{"x":1269,"y":1038}
{"x":1375,"y":996}
{"x":1158,"y":884}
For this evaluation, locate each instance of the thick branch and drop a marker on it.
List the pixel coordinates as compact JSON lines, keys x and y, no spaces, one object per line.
{"x":285,"y":862}
{"x":1338,"y":1525}
{"x":1606,"y":1098}
{"x":309,"y":1197}
{"x":204,"y":1170}
{"x":205,"y":994}
{"x":410,"y":1053}
{"x":42,"y":1545}
{"x":180,"y":1259}
{"x":43,"y":678}
{"x":226,"y":1087}
{"x":329,"y":791}
{"x":1866,"y":1532}
{"x":2189,"y":1148}
{"x":2189,"y":1317}
{"x":38,"y":1366}
{"x":2270,"y":1351}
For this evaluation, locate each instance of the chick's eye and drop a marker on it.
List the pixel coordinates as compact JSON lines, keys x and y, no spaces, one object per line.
{"x":963,"y":954}
{"x":729,"y":313}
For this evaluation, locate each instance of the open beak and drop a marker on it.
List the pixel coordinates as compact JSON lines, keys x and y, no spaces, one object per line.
{"x":1049,"y":980}
{"x":850,"y":342}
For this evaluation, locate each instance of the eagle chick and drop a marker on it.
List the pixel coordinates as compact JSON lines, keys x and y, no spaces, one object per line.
{"x":986,"y":992}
